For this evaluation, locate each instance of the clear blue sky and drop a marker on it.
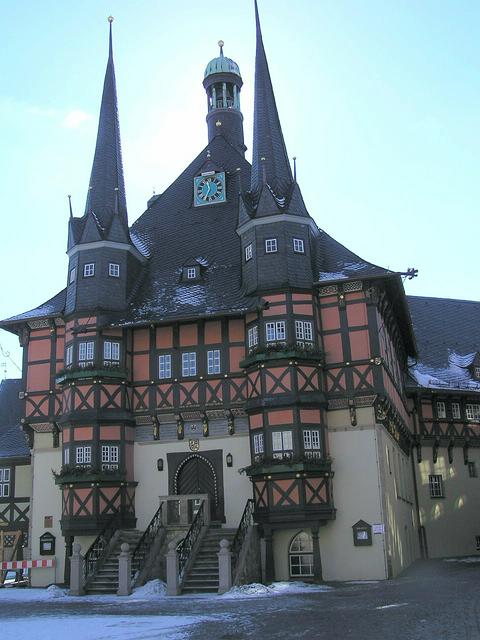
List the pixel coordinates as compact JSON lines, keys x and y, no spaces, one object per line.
{"x":379,"y":101}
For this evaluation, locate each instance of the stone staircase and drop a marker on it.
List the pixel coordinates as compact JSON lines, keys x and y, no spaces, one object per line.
{"x":106,"y":579}
{"x":203,"y":574}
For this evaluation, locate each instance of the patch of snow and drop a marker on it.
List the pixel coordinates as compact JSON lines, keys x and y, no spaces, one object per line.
{"x":363,"y":582}
{"x":461,"y":361}
{"x":155,"y":588}
{"x":192,"y":295}
{"x":56,"y":592}
{"x":255,"y":589}
{"x":392,"y":606}
{"x":468,"y":560}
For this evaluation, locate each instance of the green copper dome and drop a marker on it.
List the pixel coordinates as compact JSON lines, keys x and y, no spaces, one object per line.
{"x":222,"y":64}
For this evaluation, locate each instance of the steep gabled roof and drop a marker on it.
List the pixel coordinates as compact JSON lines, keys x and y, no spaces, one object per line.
{"x":13,"y":443}
{"x":49,"y":309}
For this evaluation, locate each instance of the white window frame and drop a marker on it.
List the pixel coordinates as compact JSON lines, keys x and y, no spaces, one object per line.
{"x":476,"y":371}
{"x":312,"y":443}
{"x":435,"y":483}
{"x":456,"y":411}
{"x":282,"y":444}
{"x":114,"y":269}
{"x":248,"y":252}
{"x":86,"y":352}
{"x":298,"y":245}
{"x":189,"y":364}
{"x":191,"y":273}
{"x":271,"y":245}
{"x":110,"y":456}
{"x":253,"y":336}
{"x":275,"y":331}
{"x":213,"y":361}
{"x":69,"y":355}
{"x":111,"y":352}
{"x":89,"y":270}
{"x":164,"y":366}
{"x":304,"y":330}
{"x":5,"y":478}
{"x":258,"y":443}
{"x":472,"y":411}
{"x":66,"y":456}
{"x":73,"y":275}
{"x":441,"y":409}
{"x":83,"y":455}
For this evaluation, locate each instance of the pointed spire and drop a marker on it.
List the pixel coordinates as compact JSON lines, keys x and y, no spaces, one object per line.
{"x":270,"y":162}
{"x":106,"y":193}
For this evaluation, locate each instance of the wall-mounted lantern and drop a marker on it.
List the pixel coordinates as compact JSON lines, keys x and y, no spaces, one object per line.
{"x":160,"y":464}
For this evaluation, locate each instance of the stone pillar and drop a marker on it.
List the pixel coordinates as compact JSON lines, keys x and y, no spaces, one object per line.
{"x":173,"y":584}
{"x":224,"y":94}
{"x":68,"y":553}
{"x":224,"y":567}
{"x":77,"y":573}
{"x":269,"y":561}
{"x":124,"y":571}
{"x":317,"y":560}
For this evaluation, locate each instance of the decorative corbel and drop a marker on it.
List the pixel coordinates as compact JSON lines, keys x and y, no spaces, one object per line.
{"x":451,"y":444}
{"x":55,"y":435}
{"x":436,"y":446}
{"x":205,"y":429}
{"x":180,"y":427}
{"x":29,"y":433}
{"x":353,"y":412}
{"x":230,"y":423}
{"x":155,"y":427}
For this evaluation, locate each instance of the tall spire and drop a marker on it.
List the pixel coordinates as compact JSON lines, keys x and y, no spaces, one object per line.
{"x":270,"y":162}
{"x":106,"y":193}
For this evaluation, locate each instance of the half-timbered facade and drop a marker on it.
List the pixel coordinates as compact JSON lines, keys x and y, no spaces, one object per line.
{"x":225,"y":345}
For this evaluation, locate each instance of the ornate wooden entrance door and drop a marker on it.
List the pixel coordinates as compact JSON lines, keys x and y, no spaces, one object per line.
{"x":197,"y":475}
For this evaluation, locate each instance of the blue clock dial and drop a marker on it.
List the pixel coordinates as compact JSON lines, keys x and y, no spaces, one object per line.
{"x":209,"y":189}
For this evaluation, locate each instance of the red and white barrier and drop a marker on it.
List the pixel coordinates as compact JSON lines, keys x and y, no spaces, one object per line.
{"x":27,"y":564}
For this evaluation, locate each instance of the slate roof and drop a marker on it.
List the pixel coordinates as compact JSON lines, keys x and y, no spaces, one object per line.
{"x":13,"y":443}
{"x":448,"y":338}
{"x":49,"y":309}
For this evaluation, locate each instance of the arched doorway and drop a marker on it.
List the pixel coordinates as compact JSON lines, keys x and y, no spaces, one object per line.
{"x":300,"y":556}
{"x":196,"y":474}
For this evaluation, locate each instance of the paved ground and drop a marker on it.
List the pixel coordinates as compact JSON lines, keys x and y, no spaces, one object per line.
{"x":430,"y":601}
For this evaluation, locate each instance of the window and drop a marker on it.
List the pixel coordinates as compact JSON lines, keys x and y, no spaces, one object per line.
{"x":69,"y":355}
{"x":114,"y":269}
{"x":476,"y":372}
{"x":298,"y":246}
{"x":311,"y":443}
{"x":189,"y":364}
{"x":477,"y":543}
{"x":275,"y":331}
{"x":456,"y":410}
{"x":441,"y":410}
{"x":111,"y":353}
{"x":85,"y":353}
{"x":258,"y":443}
{"x":73,"y":275}
{"x":191,"y":273}
{"x":472,"y":411}
{"x":89,"y":270}
{"x":300,"y":556}
{"x":4,"y":483}
{"x":435,"y":483}
{"x":271,"y":245}
{"x":472,"y":470}
{"x":282,"y":444}
{"x":66,"y":456}
{"x":109,"y":457}
{"x":253,"y":337}
{"x":83,"y":455}
{"x":303,"y":330}
{"x":248,"y":252}
{"x":165,"y":366}
{"x":213,"y":361}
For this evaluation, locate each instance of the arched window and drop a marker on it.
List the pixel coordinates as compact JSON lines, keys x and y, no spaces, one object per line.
{"x":300,"y":556}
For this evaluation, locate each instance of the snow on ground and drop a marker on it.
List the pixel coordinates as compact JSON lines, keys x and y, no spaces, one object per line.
{"x":255,"y":590}
{"x":466,"y":560}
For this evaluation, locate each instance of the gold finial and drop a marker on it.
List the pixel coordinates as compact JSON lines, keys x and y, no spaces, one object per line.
{"x":220,"y":44}
{"x":110,"y":19}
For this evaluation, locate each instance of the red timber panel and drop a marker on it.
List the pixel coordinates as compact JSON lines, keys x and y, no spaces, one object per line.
{"x":213,"y":332}
{"x":188,"y":335}
{"x":67,"y":399}
{"x":38,"y":377}
{"x":82,"y":433}
{"x":355,"y":295}
{"x":285,"y":493}
{"x":315,"y":491}
{"x":141,"y":368}
{"x":332,"y":344}
{"x":84,"y":397}
{"x":164,"y":396}
{"x":36,"y":406}
{"x":310,"y":416}
{"x":427,"y":409}
{"x":140,"y":398}
{"x":237,"y":389}
{"x":278,"y":380}
{"x":307,"y":379}
{"x":395,"y":397}
{"x":357,"y":314}
{"x":301,"y":297}
{"x":335,"y":380}
{"x":280,"y":416}
{"x":108,"y":499}
{"x":362,"y":376}
{"x":277,"y":310}
{"x":65,"y":502}
{"x":256,"y":421}
{"x":254,"y":384}
{"x":111,"y":396}
{"x":236,"y":330}
{"x":129,"y":460}
{"x":141,"y":340}
{"x":236,"y":354}
{"x":66,"y":435}
{"x":213,"y":391}
{"x":89,"y":320}
{"x":110,"y":433}
{"x":360,"y":344}
{"x":164,"y":337}
{"x":277,"y":297}
{"x":83,"y":501}
{"x":58,"y":404}
{"x":251,"y":317}
{"x":112,"y":332}
{"x":303,"y":309}
{"x":260,"y":494}
{"x":188,"y":393}
{"x":60,"y":349}
{"x":330,"y":318}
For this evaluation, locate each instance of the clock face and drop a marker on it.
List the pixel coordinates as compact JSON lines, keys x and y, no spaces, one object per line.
{"x":209,"y":189}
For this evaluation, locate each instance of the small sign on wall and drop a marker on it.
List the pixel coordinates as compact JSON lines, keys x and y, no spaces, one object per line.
{"x":47,"y":544}
{"x":378,"y":528}
{"x":362,"y":534}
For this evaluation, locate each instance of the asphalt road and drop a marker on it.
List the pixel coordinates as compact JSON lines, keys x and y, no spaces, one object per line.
{"x":431,"y":601}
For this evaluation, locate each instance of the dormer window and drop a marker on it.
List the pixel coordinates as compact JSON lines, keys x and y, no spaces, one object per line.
{"x":73,"y":275}
{"x":89,"y":270}
{"x":191,"y":273}
{"x":271,"y":245}
{"x":114,"y":269}
{"x":298,"y":245}
{"x":476,"y":372}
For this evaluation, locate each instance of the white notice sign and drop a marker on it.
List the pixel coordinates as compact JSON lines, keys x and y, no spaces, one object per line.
{"x":378,"y":528}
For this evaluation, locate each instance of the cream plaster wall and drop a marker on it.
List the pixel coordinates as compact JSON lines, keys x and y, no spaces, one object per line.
{"x":452,"y":522}
{"x":153,"y":483}
{"x":23,"y":481}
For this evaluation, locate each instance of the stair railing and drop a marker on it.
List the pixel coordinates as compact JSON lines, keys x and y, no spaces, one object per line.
{"x":99,"y":547}
{"x":245,"y":522}
{"x":187,"y":545}
{"x":139,"y":555}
